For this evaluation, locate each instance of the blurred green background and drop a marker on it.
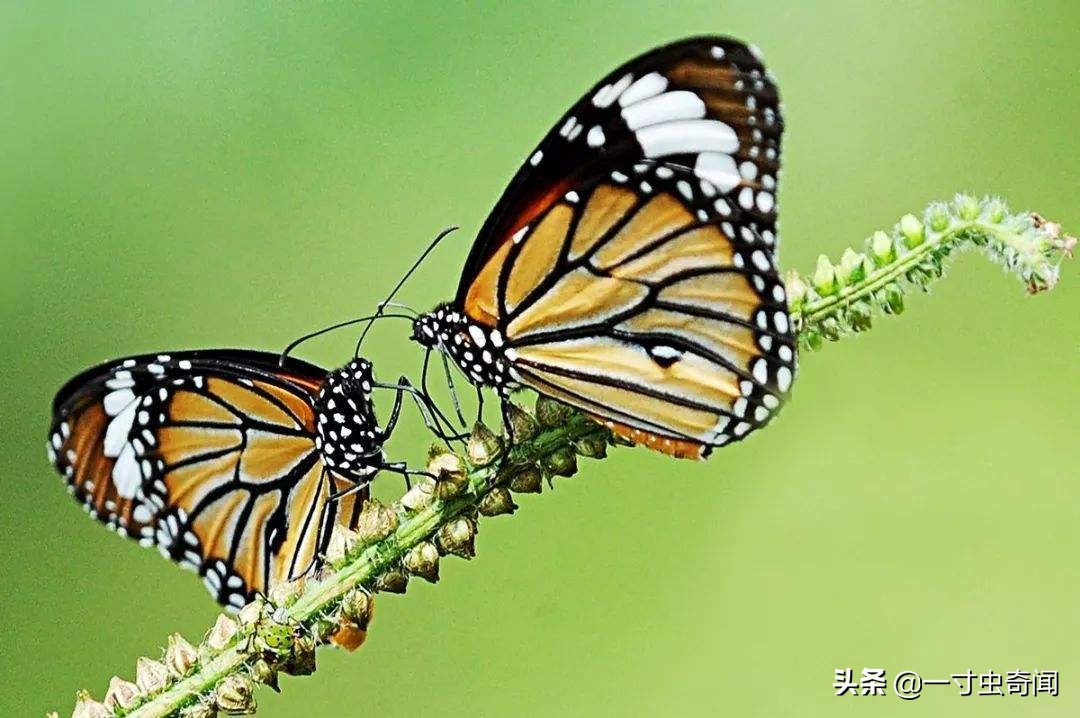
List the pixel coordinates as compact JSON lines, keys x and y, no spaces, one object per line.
{"x":178,"y":175}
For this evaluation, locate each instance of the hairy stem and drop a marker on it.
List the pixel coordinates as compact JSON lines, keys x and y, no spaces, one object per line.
{"x":438,"y":517}
{"x":841,"y":298}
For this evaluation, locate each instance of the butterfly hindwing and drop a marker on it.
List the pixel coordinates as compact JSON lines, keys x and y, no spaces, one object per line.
{"x":638,"y":298}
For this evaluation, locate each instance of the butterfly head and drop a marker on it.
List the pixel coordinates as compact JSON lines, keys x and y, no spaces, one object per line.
{"x":347,"y":431}
{"x":433,"y":329}
{"x":477,"y":349}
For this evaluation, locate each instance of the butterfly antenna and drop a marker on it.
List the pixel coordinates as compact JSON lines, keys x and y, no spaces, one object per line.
{"x":386,"y":302}
{"x":370,"y":318}
{"x":399,"y":305}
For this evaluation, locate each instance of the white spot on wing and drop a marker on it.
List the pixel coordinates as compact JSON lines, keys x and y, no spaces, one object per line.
{"x":783,"y":378}
{"x":477,"y":336}
{"x":609,"y":93}
{"x":142,"y":514}
{"x":687,"y":136}
{"x":667,"y":107}
{"x":764,"y":202}
{"x":645,"y":87}
{"x":761,"y":371}
{"x":116,"y":435}
{"x":719,"y":169}
{"x":746,"y":198}
{"x":125,"y":474}
{"x":117,"y":401}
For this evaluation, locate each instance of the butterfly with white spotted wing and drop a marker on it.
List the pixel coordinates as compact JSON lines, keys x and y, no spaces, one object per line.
{"x":629,"y":268}
{"x":234,"y":463}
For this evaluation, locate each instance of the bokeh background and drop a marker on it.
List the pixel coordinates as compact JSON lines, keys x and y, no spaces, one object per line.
{"x":178,"y":175}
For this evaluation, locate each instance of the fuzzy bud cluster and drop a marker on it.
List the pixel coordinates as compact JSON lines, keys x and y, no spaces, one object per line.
{"x":843,"y":298}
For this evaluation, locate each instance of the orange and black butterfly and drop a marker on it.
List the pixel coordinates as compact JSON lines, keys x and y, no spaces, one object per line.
{"x":630,"y":268}
{"x":234,"y":463}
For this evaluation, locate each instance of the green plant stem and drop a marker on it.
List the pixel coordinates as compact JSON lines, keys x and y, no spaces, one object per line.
{"x":320,"y":597}
{"x":841,"y":298}
{"x":836,"y":301}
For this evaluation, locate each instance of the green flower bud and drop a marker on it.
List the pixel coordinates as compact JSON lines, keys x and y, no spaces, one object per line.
{"x":592,"y":447}
{"x":860,"y":316}
{"x":87,"y":707}
{"x":263,"y":672}
{"x":392,"y":581}
{"x":851,"y":268}
{"x":423,"y":560}
{"x":882,"y":247}
{"x":150,"y":676}
{"x":301,"y":658}
{"x":831,"y":329}
{"x":376,"y":522}
{"x":551,"y":413}
{"x":522,"y":423}
{"x":222,"y":632}
{"x":894,"y":299}
{"x":180,"y":656}
{"x":919,"y":277}
{"x":235,"y":695}
{"x":996,"y":211}
{"x":526,"y":480}
{"x":796,"y":290}
{"x":497,"y":502}
{"x":358,"y":606}
{"x":967,"y":207}
{"x":341,"y":542}
{"x":912,"y":229}
{"x":824,"y":279}
{"x":121,"y":693}
{"x":561,"y":462}
{"x":458,"y":537}
{"x":483,"y":446}
{"x":420,"y":495}
{"x":938,"y":217}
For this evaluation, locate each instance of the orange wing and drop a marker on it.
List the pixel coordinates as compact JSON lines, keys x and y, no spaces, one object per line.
{"x":636,"y":300}
{"x":211,"y":457}
{"x":630,"y":266}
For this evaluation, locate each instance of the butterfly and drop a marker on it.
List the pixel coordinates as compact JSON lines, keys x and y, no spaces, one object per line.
{"x":629,"y":268}
{"x":236,"y":464}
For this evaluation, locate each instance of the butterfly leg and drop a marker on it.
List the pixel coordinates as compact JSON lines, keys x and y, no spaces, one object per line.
{"x":358,"y":486}
{"x":424,"y":386}
{"x":508,"y":426}
{"x":508,"y":430}
{"x":453,"y":391}
{"x":399,"y":467}
{"x":430,"y":413}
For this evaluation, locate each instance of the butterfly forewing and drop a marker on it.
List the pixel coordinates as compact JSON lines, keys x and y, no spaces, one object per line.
{"x":705,"y":104}
{"x":210,"y":456}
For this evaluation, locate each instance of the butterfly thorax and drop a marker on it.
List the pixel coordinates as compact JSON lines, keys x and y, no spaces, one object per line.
{"x":347,"y":431}
{"x":477,"y":349}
